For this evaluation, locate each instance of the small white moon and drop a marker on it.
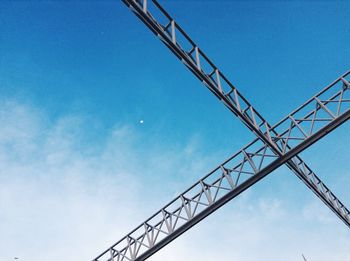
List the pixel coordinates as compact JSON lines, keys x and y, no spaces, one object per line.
{"x":141,"y":121}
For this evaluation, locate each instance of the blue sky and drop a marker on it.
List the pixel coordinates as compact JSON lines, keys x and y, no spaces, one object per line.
{"x":76,"y":79}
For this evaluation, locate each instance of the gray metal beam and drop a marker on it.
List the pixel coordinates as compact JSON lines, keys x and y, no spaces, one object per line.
{"x":194,"y":58}
{"x":276,"y":145}
{"x":232,"y":177}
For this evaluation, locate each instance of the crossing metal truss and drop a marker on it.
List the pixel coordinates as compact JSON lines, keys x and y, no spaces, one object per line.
{"x":274,"y":146}
{"x":239,"y":172}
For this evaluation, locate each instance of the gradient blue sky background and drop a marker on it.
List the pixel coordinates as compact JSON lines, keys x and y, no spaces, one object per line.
{"x":78,"y":170}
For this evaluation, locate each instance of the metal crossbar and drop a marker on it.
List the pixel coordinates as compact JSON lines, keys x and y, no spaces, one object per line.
{"x":194,"y":58}
{"x":243,"y":169}
{"x":275,"y":145}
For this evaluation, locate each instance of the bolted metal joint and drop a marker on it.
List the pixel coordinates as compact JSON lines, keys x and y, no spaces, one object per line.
{"x":346,"y":84}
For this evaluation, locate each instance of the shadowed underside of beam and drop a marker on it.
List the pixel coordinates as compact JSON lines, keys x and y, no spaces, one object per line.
{"x":275,"y":145}
{"x":239,"y":172}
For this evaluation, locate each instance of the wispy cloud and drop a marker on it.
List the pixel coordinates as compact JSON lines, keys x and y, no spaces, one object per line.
{"x":65,"y":197}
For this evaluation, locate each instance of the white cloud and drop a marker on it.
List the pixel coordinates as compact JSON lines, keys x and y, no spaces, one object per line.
{"x":63,"y":198}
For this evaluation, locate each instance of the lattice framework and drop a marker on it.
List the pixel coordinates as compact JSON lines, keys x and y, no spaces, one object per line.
{"x":274,"y":146}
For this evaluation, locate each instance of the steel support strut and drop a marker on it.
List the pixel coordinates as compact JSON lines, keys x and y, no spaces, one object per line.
{"x":192,"y":56}
{"x":246,"y":167}
{"x":274,"y":146}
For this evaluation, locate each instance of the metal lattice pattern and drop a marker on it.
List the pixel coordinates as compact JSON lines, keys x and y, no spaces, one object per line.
{"x":164,"y":26}
{"x":230,"y":178}
{"x":275,"y":145}
{"x":168,"y":30}
{"x":323,"y":108}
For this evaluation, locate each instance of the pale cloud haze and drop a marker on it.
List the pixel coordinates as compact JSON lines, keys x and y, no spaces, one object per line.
{"x":65,"y":197}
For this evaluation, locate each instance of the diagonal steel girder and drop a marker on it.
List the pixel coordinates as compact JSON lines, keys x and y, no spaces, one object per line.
{"x":242,"y":170}
{"x":193,"y":57}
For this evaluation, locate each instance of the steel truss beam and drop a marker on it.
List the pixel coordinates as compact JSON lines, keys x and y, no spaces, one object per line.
{"x":165,"y":27}
{"x":275,"y":146}
{"x":190,"y":54}
{"x":243,"y":169}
